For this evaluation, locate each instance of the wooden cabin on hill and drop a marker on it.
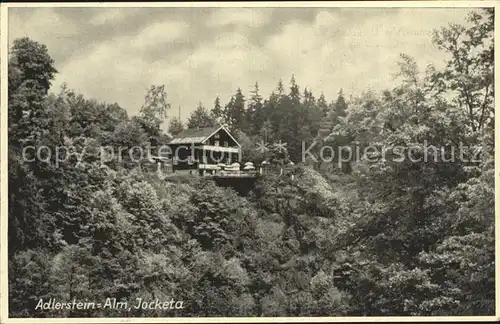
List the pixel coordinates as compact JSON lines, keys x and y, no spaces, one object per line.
{"x":209,"y":152}
{"x":204,"y":150}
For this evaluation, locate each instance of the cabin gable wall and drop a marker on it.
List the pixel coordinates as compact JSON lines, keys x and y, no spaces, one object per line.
{"x":221,"y":137}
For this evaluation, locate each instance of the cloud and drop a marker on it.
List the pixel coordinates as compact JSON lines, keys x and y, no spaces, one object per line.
{"x":107,"y":16}
{"x":42,"y":22}
{"x":160,"y":33}
{"x":240,"y":16}
{"x":218,"y":66}
{"x":116,"y":70}
{"x":99,"y":74}
{"x":325,"y":19}
{"x":334,"y":52}
{"x":327,"y":49}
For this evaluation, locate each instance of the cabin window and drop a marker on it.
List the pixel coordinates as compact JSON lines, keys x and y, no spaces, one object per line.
{"x":226,"y":144}
{"x":217,"y":136}
{"x":216,"y":143}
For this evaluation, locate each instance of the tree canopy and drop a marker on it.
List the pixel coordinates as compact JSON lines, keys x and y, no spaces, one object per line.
{"x":367,"y":236}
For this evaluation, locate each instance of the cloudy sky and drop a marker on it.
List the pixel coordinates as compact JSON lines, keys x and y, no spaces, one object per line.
{"x":114,"y":54}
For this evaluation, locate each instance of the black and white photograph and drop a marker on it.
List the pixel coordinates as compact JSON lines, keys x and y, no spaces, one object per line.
{"x":222,"y":160}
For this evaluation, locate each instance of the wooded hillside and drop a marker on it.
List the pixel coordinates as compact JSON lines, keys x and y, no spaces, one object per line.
{"x":365,"y":237}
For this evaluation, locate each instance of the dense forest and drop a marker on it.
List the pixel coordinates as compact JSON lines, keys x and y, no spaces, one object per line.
{"x":363,"y":237}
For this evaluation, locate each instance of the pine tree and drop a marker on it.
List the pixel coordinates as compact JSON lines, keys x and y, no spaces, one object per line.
{"x":313,"y":112}
{"x":228,"y":108}
{"x":200,"y":118}
{"x":323,"y":105}
{"x":217,"y":112}
{"x":340,"y":105}
{"x":294,"y":91}
{"x":236,"y":112}
{"x":254,"y":111}
{"x":280,"y":88}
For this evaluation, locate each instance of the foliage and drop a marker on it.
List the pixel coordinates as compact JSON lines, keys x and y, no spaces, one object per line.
{"x":154,"y":109}
{"x":200,"y":118}
{"x":376,"y":235}
{"x":175,"y":126}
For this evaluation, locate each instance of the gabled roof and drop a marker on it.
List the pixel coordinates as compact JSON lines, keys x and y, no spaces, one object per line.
{"x":193,"y":135}
{"x":198,"y":135}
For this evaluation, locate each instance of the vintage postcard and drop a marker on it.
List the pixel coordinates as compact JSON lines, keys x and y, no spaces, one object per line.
{"x":256,"y":161}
